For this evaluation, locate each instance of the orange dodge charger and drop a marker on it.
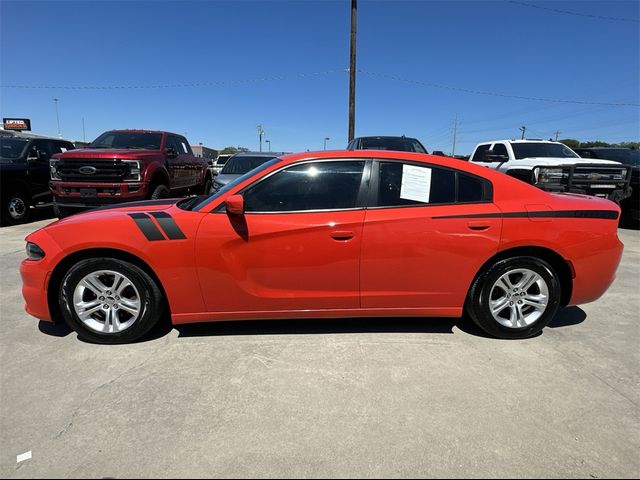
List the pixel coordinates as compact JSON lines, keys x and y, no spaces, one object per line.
{"x":325,"y":235}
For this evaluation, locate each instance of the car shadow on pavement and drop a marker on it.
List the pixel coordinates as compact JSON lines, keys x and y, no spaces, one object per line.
{"x":318,"y":326}
{"x":567,"y":317}
{"x":59,"y":329}
{"x":564,"y":318}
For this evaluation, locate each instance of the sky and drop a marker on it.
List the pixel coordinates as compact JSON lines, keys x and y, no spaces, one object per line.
{"x":214,"y":70}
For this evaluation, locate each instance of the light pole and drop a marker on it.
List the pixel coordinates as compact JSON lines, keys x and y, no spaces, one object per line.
{"x":523,"y":129}
{"x":269,"y":142}
{"x":260,"y":133}
{"x":325,"y":142}
{"x":55,"y":100}
{"x":352,"y":71}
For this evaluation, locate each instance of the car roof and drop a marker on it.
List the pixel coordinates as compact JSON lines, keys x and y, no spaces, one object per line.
{"x":258,"y":154}
{"x":135,"y":130}
{"x":387,"y":136}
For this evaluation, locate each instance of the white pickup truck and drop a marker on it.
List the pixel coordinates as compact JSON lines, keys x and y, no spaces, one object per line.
{"x":554,"y":167}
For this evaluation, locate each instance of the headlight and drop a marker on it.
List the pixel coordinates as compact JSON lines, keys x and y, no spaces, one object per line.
{"x":53,"y":167}
{"x":34,"y":252}
{"x":549,"y":175}
{"x":134,"y":174}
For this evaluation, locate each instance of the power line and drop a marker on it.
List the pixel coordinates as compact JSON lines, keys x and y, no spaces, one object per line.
{"x":493,"y":94}
{"x":567,"y":12}
{"x":181,"y":85}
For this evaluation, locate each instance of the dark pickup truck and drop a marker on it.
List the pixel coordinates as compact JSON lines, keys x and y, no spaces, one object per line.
{"x":127,"y":165}
{"x":24,"y":174}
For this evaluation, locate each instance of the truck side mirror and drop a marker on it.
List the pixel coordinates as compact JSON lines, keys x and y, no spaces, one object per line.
{"x":490,"y":156}
{"x":170,"y":152}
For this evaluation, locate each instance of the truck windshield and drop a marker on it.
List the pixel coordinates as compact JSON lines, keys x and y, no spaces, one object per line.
{"x":12,"y":148}
{"x":242,"y":164}
{"x":396,"y":144}
{"x":135,"y":140}
{"x":622,"y":155}
{"x":542,"y":150}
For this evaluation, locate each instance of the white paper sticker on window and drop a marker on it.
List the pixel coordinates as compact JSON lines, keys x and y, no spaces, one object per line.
{"x":416,"y":183}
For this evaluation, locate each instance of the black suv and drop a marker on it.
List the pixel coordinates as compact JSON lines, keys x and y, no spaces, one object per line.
{"x":25,"y":174}
{"x":629,"y":157}
{"x":399,"y":144}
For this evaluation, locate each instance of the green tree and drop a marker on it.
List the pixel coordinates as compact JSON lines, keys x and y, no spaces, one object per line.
{"x":570,"y":142}
{"x":233,"y":150}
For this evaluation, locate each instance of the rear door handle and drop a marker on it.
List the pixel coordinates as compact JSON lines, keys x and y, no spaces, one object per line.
{"x":342,"y":234}
{"x":478,"y":225}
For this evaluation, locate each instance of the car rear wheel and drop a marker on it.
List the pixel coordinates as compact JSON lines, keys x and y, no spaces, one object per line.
{"x":109,"y":301}
{"x":515,"y":298}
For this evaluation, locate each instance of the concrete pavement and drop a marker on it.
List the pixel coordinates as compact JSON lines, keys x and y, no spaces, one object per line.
{"x":349,"y":398}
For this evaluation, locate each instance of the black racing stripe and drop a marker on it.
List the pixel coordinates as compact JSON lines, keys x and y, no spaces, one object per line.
{"x":597,"y":214}
{"x":146,"y":225}
{"x":143,"y":203}
{"x":169,"y":225}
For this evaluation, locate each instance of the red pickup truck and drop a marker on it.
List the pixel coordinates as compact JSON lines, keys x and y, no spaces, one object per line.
{"x":126,"y":165}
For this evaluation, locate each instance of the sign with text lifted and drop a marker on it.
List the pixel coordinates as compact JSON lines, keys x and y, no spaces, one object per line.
{"x":17,"y":124}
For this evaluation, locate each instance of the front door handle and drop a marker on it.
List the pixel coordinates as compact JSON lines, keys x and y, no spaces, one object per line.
{"x":342,"y":234}
{"x":478,"y":225}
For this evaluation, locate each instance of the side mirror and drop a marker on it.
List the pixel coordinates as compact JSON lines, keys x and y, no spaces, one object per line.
{"x":235,"y":205}
{"x":490,"y":156}
{"x":170,"y":152}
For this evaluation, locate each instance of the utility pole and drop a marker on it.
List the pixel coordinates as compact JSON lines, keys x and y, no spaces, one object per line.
{"x":557,"y":133}
{"x":455,"y":134}
{"x":260,"y":133}
{"x":55,"y":100}
{"x":352,"y":71}
{"x":522,"y":129}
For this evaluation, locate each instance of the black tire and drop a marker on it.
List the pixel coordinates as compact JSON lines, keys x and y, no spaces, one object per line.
{"x":15,"y":207}
{"x":62,"y":212}
{"x":143,"y":288}
{"x":479,"y":297}
{"x":158,"y":192}
{"x":207,"y":187}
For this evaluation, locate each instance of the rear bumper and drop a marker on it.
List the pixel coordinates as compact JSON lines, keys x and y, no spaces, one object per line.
{"x":88,"y":195}
{"x":595,"y":264}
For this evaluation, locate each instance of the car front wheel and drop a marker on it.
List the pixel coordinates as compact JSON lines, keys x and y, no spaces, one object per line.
{"x":109,"y":301}
{"x":515,"y":298}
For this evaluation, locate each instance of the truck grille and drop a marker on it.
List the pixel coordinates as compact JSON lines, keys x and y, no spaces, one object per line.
{"x":78,"y":170}
{"x":594,"y":179}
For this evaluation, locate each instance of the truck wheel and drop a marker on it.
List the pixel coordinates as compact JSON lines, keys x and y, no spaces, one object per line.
{"x":207,"y":187}
{"x":514,"y":298}
{"x":62,"y":212}
{"x":15,"y":207}
{"x":159,"y":192}
{"x":109,"y":301}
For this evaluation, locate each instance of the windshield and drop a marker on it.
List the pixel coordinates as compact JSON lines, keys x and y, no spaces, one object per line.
{"x":12,"y":147}
{"x":622,"y":155}
{"x":190,"y":204}
{"x":239,"y":165}
{"x":135,"y":140}
{"x":542,"y":150}
{"x":222,"y":159}
{"x":396,"y":144}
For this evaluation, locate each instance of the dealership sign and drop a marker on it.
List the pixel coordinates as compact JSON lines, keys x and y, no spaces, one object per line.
{"x":17,"y":124}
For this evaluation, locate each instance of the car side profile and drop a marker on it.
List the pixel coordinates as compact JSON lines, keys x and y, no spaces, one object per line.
{"x":329,"y":235}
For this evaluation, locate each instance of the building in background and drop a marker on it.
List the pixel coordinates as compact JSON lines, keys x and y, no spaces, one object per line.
{"x":205,"y":152}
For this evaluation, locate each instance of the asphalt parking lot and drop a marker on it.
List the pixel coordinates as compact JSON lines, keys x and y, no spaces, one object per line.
{"x":351,"y":398}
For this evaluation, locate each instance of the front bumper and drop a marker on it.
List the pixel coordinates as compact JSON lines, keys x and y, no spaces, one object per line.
{"x":37,"y":274}
{"x":88,"y":195}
